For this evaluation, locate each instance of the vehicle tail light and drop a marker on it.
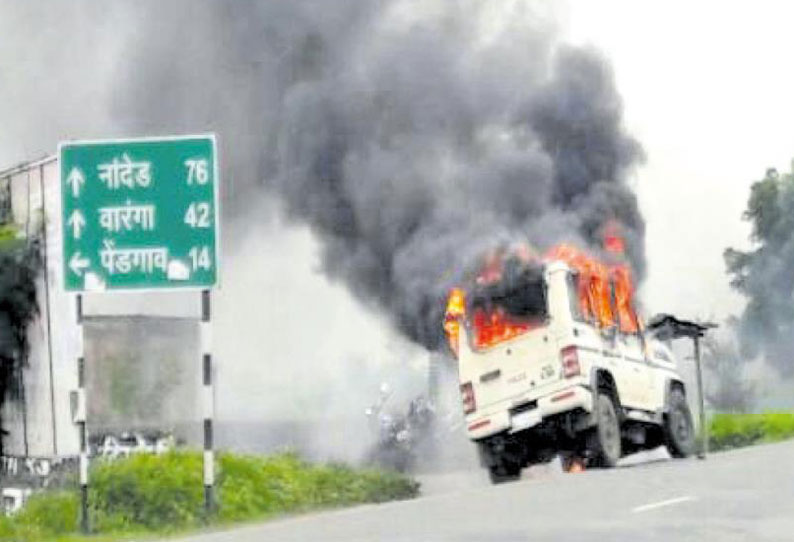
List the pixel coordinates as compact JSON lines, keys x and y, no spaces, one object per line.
{"x":467,"y":395}
{"x":570,"y":362}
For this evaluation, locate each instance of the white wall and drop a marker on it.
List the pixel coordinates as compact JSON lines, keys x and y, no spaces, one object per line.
{"x":52,"y":370}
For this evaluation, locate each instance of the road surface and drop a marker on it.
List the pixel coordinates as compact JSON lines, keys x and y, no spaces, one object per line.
{"x":746,"y":494}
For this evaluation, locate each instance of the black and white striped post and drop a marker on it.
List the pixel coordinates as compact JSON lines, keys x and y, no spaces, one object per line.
{"x":80,"y":419}
{"x":208,"y":400}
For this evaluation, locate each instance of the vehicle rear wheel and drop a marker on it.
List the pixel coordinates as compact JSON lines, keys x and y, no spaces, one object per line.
{"x":504,"y":472}
{"x":605,"y":437}
{"x":679,"y":434}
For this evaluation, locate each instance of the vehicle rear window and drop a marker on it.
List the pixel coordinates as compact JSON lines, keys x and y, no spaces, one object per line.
{"x":509,"y":306}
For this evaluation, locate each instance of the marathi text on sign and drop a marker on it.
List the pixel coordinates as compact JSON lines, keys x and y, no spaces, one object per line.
{"x":127,"y":217}
{"x":125,"y":260}
{"x":125,"y":172}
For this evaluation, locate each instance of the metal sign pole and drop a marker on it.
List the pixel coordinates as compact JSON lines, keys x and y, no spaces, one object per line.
{"x":209,"y":404}
{"x":80,"y":419}
{"x":704,"y":436}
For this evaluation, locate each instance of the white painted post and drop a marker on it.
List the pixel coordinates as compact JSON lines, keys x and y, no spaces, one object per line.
{"x":80,"y":418}
{"x":208,"y":400}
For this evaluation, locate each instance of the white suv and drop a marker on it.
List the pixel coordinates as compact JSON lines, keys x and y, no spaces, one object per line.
{"x":558,"y":382}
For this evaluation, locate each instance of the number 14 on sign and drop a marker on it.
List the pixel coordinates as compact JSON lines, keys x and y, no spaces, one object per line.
{"x":200,"y":258}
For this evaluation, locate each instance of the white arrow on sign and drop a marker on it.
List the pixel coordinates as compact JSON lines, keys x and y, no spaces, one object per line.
{"x":76,"y":222}
{"x":77,"y":180}
{"x":77,"y":263}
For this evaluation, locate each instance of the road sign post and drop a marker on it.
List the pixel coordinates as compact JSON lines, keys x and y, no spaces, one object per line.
{"x":208,"y":403}
{"x":80,"y":419}
{"x":142,"y":215}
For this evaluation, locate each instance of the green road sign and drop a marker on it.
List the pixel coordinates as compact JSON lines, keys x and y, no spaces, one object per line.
{"x":140,"y":214}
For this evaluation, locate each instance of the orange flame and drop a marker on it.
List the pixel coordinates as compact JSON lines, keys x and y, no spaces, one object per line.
{"x":456,"y":309}
{"x":613,"y":239}
{"x":573,"y":465}
{"x":592,"y":283}
{"x":605,"y":293}
{"x":628,"y":322}
{"x":494,"y":327}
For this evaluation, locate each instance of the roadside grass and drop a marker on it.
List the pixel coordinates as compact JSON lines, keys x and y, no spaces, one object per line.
{"x":736,"y":430}
{"x":147,"y":495}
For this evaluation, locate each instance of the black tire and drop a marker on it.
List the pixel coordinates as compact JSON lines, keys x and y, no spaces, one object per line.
{"x":605,"y":438}
{"x":679,"y":432}
{"x":502,"y":473}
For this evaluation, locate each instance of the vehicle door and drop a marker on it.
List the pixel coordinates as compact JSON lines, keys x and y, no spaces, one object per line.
{"x":633,"y":374}
{"x":622,"y":370}
{"x":637,"y":370}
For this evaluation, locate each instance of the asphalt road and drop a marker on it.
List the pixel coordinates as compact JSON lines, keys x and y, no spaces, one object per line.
{"x":745,"y":494}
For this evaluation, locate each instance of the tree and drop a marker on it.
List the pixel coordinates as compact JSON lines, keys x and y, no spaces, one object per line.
{"x":765,"y":274}
{"x":20,"y":263}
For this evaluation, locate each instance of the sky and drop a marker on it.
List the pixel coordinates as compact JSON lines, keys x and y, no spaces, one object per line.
{"x":707,"y":88}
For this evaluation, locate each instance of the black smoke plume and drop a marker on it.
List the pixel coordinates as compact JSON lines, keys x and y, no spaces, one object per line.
{"x":410,"y":136}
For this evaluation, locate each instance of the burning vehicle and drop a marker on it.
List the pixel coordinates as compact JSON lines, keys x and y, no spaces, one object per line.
{"x":553,"y":359}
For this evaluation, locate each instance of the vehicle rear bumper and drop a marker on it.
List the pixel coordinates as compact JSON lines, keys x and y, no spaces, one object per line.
{"x":525,"y":415}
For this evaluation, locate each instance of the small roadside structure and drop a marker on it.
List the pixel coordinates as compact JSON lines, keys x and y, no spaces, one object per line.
{"x":667,"y":327}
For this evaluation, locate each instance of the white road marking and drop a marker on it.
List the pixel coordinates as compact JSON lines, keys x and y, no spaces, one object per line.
{"x":661,"y":504}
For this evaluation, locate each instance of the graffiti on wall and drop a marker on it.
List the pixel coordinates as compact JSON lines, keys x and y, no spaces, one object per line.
{"x":36,"y":471}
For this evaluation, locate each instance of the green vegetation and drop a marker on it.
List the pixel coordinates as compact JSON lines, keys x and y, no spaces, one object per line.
{"x":736,"y":430}
{"x":148,"y":494}
{"x":763,"y":274}
{"x":8,"y":235}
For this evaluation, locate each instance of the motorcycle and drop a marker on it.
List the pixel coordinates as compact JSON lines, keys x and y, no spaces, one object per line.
{"x":399,"y":437}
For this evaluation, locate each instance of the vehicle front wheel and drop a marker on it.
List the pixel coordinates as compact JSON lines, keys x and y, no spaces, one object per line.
{"x":604,"y":442}
{"x":679,"y":433}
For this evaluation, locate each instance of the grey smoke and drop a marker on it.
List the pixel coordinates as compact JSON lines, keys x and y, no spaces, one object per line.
{"x":408,"y":143}
{"x":409,"y":150}
{"x":409,"y":136}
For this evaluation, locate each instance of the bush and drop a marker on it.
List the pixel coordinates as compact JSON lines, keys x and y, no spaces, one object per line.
{"x":149,"y":493}
{"x":44,"y":516}
{"x":736,"y":430}
{"x":258,"y":487}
